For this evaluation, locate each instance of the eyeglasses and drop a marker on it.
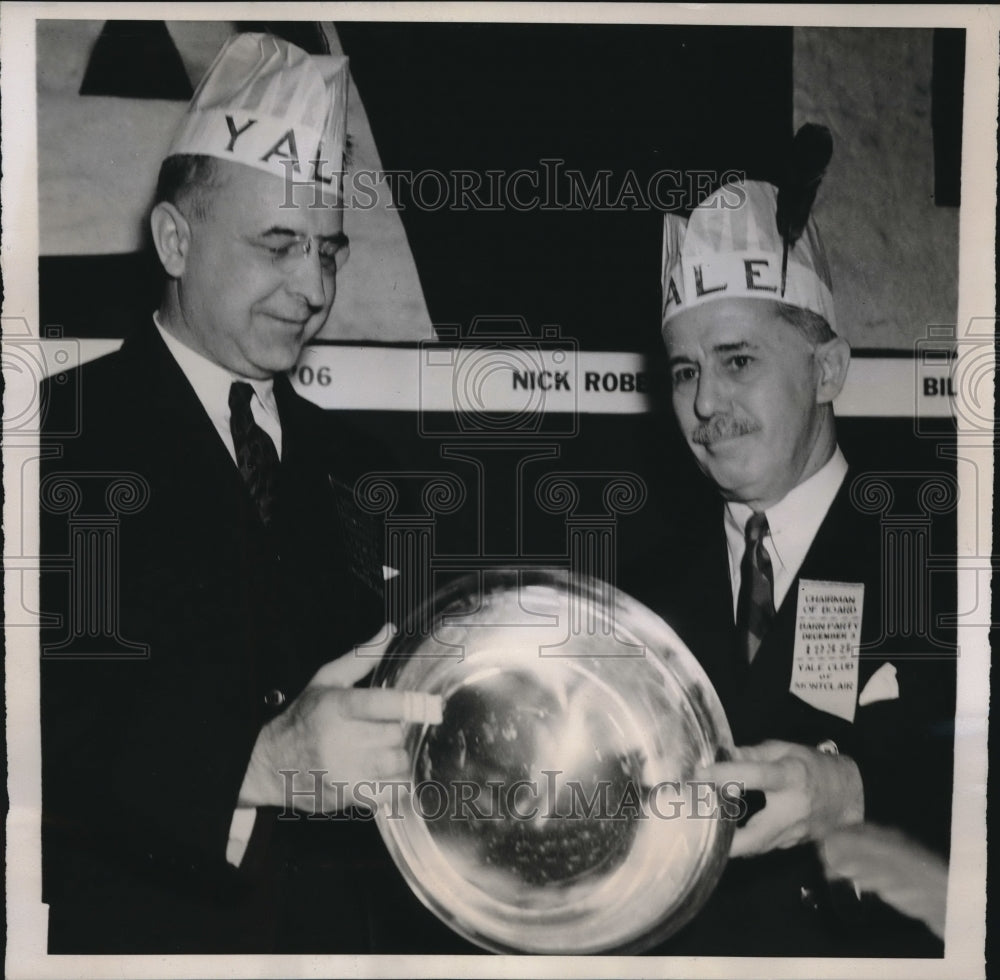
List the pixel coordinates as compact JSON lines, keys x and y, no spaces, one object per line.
{"x":333,"y":252}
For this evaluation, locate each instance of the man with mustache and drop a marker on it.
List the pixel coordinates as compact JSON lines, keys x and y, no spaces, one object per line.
{"x":242,"y":572}
{"x":779,"y":597}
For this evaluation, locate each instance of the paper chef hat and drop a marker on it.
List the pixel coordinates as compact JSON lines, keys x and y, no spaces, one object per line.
{"x":730,"y":248}
{"x":267,"y":104}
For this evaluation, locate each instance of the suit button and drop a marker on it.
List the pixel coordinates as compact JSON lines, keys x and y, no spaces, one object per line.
{"x":274,"y":698}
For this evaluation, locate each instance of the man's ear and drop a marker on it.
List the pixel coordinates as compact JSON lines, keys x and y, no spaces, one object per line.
{"x":171,"y":236}
{"x":832,"y":360}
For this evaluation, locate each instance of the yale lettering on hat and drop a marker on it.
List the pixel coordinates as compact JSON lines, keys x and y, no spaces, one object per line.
{"x":700,"y":288}
{"x":671,"y":297}
{"x":734,"y":274}
{"x":270,"y":141}
{"x":236,"y":131}
{"x":754,"y":269}
{"x":289,"y":151}
{"x":292,"y":153}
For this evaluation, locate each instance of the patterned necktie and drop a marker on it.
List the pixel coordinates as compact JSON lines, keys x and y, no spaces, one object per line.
{"x":755,"y":608}
{"x":255,"y":453}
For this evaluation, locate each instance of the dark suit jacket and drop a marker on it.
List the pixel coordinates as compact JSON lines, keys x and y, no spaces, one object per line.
{"x":780,"y":903}
{"x":174,"y":613}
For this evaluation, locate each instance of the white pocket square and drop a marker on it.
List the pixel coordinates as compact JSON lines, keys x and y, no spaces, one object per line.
{"x":388,"y":573}
{"x":881,"y":686}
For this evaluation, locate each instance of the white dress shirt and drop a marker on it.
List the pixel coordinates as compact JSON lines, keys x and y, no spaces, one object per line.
{"x":211,"y":384}
{"x":792,"y":525}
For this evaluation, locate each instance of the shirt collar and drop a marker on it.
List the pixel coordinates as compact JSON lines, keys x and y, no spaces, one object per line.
{"x":210,"y":381}
{"x":795,"y":519}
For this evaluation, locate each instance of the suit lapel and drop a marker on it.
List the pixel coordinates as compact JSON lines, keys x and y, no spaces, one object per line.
{"x":193,"y":467}
{"x":699,"y":605}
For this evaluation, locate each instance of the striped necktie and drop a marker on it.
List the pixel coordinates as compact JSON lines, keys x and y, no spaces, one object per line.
{"x":255,"y":453}
{"x":755,"y":608}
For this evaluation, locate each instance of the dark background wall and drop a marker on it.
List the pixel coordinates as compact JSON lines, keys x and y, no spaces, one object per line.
{"x":623,"y":99}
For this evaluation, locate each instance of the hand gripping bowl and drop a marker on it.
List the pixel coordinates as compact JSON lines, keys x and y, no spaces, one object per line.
{"x":549,"y":811}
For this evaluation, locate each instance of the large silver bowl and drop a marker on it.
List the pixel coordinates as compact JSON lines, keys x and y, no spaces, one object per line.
{"x":550,"y":810}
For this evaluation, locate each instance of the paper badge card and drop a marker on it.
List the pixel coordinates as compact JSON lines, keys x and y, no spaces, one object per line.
{"x":827,"y":639}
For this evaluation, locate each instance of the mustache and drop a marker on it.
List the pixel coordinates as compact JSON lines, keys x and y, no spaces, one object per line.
{"x":722,"y":427}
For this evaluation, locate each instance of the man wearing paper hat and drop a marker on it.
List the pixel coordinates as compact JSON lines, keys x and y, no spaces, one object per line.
{"x":242,"y":565}
{"x":780,"y":591}
{"x":727,"y":266}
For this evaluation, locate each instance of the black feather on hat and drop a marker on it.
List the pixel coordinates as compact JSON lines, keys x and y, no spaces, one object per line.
{"x":810,"y":154}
